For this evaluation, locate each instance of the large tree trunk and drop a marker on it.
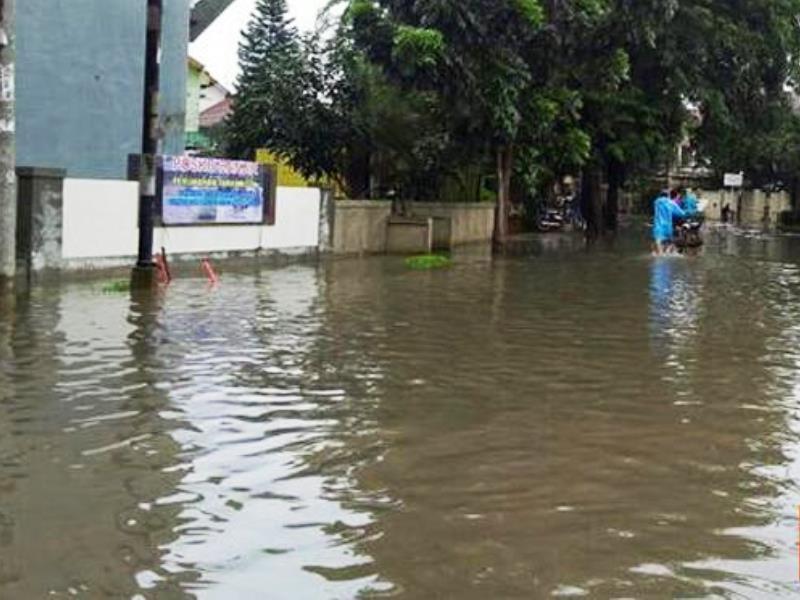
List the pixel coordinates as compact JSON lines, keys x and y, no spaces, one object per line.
{"x":505,"y":157}
{"x":358,"y":175}
{"x":592,"y":201}
{"x":616,"y":178}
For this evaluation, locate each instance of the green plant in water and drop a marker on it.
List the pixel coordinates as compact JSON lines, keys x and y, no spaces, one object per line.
{"x":428,"y":262}
{"x":117,"y":287}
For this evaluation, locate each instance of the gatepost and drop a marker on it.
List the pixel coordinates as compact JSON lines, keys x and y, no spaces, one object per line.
{"x":40,"y":213}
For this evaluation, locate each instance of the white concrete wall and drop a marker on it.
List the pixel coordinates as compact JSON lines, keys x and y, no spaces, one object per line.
{"x":100,"y":224}
{"x":100,"y":218}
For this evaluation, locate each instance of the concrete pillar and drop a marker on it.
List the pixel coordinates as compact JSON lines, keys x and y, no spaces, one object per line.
{"x":8,"y":193}
{"x":40,"y":214}
{"x":326,"y":216}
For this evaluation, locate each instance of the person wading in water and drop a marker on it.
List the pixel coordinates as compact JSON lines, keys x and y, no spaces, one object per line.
{"x":665,"y":211}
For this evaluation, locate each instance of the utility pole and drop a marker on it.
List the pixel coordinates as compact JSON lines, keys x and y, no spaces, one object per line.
{"x":8,"y":179}
{"x":144,"y":271}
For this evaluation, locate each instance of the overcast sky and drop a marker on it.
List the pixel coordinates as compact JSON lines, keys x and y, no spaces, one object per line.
{"x":217,"y":47}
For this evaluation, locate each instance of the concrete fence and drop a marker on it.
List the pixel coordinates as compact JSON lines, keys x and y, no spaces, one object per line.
{"x":71,"y":224}
{"x":360,"y":226}
{"x":367,"y":226}
{"x":749,"y":208}
{"x":459,"y":223}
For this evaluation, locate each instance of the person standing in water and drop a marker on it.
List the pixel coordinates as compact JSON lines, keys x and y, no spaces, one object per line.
{"x":665,"y":211}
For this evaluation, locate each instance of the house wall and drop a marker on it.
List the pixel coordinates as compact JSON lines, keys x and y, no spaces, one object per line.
{"x":211,"y":95}
{"x":287,"y":176}
{"x":80,"y":80}
{"x":100,"y":227}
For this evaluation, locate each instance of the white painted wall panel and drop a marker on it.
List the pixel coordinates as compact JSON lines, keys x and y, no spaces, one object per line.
{"x":100,"y":218}
{"x":296,"y":226}
{"x":297,"y":219}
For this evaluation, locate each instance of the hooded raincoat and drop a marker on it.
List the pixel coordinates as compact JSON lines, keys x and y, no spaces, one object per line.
{"x":663,"y":215}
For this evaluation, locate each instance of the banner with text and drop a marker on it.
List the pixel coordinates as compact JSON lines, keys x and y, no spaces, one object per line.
{"x":212,"y":191}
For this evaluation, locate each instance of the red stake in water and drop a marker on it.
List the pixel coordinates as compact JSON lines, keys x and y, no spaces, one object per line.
{"x":165,"y":262}
{"x":162,"y":265}
{"x":209,"y":271}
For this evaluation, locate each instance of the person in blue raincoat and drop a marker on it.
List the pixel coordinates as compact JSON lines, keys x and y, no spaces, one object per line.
{"x":690,"y":204}
{"x":665,"y":211}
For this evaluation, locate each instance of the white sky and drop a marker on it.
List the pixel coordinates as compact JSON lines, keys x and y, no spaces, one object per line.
{"x":218,"y":46}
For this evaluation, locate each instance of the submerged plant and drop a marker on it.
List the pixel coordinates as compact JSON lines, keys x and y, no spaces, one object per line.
{"x":428,"y":262}
{"x":117,"y":287}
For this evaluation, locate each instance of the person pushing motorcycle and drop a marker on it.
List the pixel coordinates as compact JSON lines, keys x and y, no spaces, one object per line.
{"x":665,"y":211}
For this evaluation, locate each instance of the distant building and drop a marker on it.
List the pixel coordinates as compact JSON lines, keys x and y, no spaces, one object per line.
{"x":203,"y":94}
{"x":212,"y":94}
{"x":216,"y":114}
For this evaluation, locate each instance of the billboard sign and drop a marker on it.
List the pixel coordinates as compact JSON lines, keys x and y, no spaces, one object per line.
{"x":734,"y":180}
{"x":212,"y":191}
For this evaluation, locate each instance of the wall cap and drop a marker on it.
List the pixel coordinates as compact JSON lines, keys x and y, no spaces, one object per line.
{"x":364,"y":204}
{"x":454,"y":205}
{"x":41,"y":173}
{"x":410,"y":221}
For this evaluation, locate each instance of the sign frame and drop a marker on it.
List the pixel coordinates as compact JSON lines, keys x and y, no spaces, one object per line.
{"x":267,"y":176}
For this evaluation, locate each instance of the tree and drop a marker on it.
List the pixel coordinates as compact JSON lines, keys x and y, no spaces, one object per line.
{"x":411,"y":96}
{"x":327,"y":110}
{"x":469,"y":54}
{"x":744,"y":73}
{"x":640,"y":66}
{"x":279,"y":102}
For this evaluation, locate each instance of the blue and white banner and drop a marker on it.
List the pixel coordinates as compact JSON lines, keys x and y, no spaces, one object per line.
{"x":211,"y":191}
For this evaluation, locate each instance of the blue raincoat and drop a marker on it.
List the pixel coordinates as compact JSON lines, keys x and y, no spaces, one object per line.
{"x":690,"y":206}
{"x":665,"y":212}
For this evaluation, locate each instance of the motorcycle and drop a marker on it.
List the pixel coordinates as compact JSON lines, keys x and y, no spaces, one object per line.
{"x":549,"y":219}
{"x":688,"y":233}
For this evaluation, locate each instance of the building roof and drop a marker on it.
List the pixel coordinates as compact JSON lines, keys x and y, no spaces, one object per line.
{"x":217,"y":113}
{"x":204,"y":13}
{"x":196,"y":64}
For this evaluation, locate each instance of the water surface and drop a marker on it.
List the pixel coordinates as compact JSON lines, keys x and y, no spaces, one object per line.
{"x":556,"y":423}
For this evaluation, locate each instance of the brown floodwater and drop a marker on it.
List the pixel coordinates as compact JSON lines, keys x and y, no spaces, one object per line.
{"x":552,"y":423}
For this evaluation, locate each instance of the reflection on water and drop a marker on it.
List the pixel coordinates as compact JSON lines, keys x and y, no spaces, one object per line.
{"x":566,"y":424}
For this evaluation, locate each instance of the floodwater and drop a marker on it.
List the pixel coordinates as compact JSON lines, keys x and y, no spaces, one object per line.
{"x":555,"y":423}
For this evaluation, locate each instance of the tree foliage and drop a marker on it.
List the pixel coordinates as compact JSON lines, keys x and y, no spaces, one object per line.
{"x":410,"y":96}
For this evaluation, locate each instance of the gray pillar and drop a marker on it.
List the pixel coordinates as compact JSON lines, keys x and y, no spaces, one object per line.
{"x":326,"y":216}
{"x":40,"y":214}
{"x":8,"y":194}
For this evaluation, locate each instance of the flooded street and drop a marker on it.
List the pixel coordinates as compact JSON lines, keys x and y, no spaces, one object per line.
{"x":553,"y":424}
